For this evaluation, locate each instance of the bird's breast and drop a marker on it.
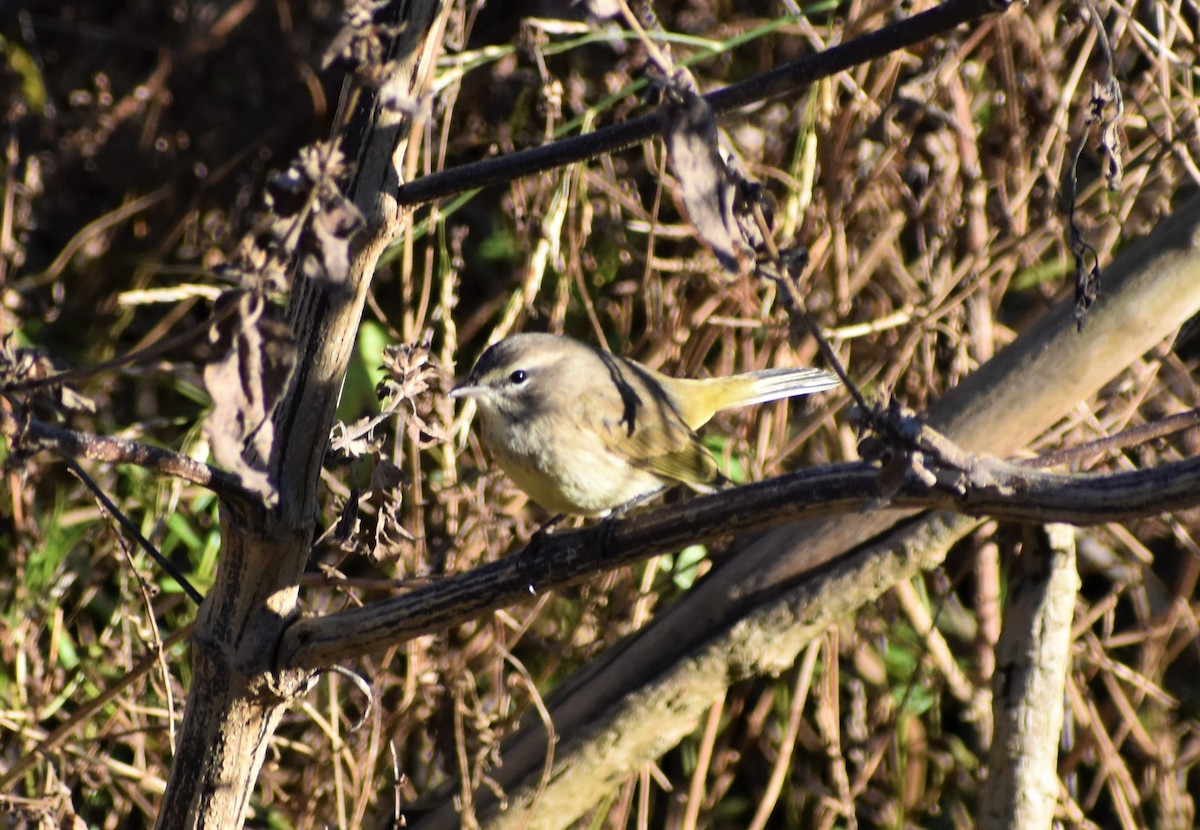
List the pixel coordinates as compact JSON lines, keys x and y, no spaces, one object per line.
{"x":564,"y":465}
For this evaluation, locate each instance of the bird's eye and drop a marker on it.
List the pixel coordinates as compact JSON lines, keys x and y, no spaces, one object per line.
{"x":518,"y":377}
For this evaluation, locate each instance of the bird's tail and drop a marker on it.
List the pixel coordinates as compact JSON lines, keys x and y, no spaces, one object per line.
{"x":698,"y":400}
{"x":773,"y":384}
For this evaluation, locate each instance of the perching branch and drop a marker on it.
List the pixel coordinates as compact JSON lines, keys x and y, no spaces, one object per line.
{"x":990,"y":487}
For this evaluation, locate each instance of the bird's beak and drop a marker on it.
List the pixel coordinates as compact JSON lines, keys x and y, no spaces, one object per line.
{"x":466,"y":390}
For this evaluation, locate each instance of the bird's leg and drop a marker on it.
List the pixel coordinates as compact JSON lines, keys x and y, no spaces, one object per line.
{"x":540,"y":535}
{"x":621,"y":509}
{"x":609,"y":523}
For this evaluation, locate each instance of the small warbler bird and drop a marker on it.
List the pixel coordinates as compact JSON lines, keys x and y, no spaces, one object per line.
{"x":585,"y":432}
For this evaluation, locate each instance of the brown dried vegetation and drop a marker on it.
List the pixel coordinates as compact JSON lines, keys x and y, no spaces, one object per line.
{"x":925,"y":188}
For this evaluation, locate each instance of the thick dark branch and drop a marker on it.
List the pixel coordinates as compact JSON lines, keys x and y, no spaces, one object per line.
{"x":1001,"y":490}
{"x":235,"y":702}
{"x":788,"y":79}
{"x":38,"y":435}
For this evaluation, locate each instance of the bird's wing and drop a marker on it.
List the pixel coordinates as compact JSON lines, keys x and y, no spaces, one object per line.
{"x":652,"y":437}
{"x":691,"y":465}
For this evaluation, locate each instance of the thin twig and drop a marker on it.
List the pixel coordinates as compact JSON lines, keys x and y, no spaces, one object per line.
{"x":220,"y":312}
{"x":1132,"y":437}
{"x":114,"y":511}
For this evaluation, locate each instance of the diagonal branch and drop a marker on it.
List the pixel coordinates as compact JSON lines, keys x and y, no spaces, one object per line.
{"x":788,"y":79}
{"x":999,"y":489}
{"x":130,"y":528}
{"x":236,"y":701}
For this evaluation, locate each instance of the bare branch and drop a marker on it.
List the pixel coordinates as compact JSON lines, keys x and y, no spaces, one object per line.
{"x":1002,"y":490}
{"x":236,"y":701}
{"x":130,"y":528}
{"x":1031,"y":666}
{"x":32,"y":435}
{"x":787,"y":79}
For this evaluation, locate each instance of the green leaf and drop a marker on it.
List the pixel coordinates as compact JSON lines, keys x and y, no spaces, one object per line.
{"x":687,"y":566}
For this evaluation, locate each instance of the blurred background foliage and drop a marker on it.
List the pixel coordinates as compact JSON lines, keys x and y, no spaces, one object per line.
{"x":926,"y":189}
